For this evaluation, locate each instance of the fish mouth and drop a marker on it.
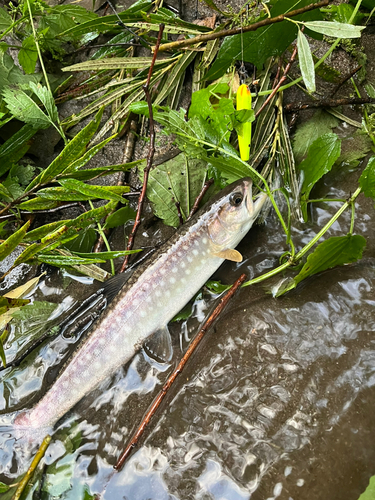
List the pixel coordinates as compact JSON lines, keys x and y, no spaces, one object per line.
{"x":256,"y":205}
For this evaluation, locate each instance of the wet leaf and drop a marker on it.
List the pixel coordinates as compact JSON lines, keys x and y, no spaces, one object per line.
{"x":4,"y":361}
{"x":25,"y":109}
{"x":179,"y":179}
{"x":70,"y":261}
{"x":120,"y":217}
{"x":108,"y":193}
{"x":11,"y":243}
{"x":336,"y":251}
{"x":35,"y":248}
{"x":70,"y":153}
{"x":334,"y":29}
{"x":90,"y":270}
{"x":367,"y":179}
{"x":25,"y":289}
{"x":321,"y":156}
{"x":306,"y":62}
{"x":81,"y":162}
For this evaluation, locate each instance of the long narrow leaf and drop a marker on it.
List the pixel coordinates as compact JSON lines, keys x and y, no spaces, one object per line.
{"x":11,"y":243}
{"x":306,"y":62}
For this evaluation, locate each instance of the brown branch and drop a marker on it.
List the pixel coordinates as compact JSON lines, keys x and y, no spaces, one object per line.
{"x":281,"y":81}
{"x":151,"y":151}
{"x":328,"y":103}
{"x":193,"y":345}
{"x":178,"y":206}
{"x":345,"y":79}
{"x":179,"y":44}
{"x":205,"y":188}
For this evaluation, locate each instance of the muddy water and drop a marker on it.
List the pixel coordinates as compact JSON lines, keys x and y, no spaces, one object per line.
{"x":277,"y":402}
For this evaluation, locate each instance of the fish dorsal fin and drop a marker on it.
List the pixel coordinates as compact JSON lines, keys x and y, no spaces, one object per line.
{"x":113,"y":285}
{"x":230,"y":254}
{"x":159,"y":345}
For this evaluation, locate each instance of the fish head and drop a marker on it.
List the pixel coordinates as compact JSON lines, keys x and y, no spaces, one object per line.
{"x":233,"y":212}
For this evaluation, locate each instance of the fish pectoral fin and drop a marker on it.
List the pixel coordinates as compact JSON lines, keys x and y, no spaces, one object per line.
{"x":159,"y":345}
{"x":230,"y":254}
{"x":113,"y":285}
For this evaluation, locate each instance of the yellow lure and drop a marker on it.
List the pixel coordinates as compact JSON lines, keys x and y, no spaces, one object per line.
{"x":244,"y":135}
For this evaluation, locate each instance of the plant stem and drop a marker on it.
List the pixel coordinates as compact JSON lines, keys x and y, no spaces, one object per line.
{"x":311,"y":243}
{"x":104,"y":238}
{"x":58,"y":128}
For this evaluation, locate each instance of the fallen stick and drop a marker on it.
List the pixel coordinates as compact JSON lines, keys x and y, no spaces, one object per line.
{"x":151,"y":152}
{"x":193,"y":345}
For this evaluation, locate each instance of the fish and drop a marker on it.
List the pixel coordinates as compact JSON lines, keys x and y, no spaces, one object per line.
{"x":143,"y":306}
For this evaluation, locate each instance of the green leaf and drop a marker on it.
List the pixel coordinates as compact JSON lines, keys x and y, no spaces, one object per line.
{"x":334,"y":29}
{"x":14,"y":148}
{"x":107,"y":255}
{"x":4,"y":361}
{"x":69,"y":154}
{"x":11,"y":243}
{"x":72,"y":260}
{"x":321,"y":156}
{"x":25,"y":109}
{"x":38,"y":204}
{"x":321,"y":123}
{"x":40,"y":232}
{"x":367,"y":179}
{"x":84,"y":242}
{"x":369,"y":493}
{"x":28,"y":55}
{"x":336,"y":251}
{"x":306,"y":62}
{"x":179,"y":179}
{"x":23,"y":173}
{"x":120,"y":217}
{"x":117,"y":63}
{"x":81,"y":162}
{"x":46,"y":97}
{"x":108,"y":193}
{"x":5,"y":22}
{"x":216,"y":286}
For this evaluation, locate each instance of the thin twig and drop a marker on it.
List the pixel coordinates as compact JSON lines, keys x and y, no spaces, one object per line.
{"x":178,"y":206}
{"x":345,"y":79}
{"x":39,"y":455}
{"x":178,"y":44}
{"x":281,"y":81}
{"x":205,"y":188}
{"x":328,"y":103}
{"x":193,"y":345}
{"x":151,"y":151}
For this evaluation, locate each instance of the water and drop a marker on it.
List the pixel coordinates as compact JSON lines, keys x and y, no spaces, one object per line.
{"x":276,"y":403}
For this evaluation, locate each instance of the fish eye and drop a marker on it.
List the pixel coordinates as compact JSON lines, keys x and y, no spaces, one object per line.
{"x":236,"y":199}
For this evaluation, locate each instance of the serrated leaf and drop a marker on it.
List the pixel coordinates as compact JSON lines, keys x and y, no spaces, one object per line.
{"x":28,"y":55}
{"x":321,"y":156}
{"x":306,"y":62}
{"x":109,"y":193}
{"x":45,"y":96}
{"x":92,"y":173}
{"x":23,"y":173}
{"x":5,"y":22}
{"x":46,"y":241}
{"x":334,"y":29}
{"x":69,"y":154}
{"x":25,"y":109}
{"x":12,"y":242}
{"x":367,"y":179}
{"x":336,"y":251}
{"x":179,"y":179}
{"x":81,"y":162}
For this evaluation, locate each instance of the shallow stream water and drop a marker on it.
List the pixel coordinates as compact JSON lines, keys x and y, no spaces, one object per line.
{"x":276,"y":403}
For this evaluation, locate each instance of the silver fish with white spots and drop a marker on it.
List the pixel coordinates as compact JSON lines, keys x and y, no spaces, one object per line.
{"x":153,"y":295}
